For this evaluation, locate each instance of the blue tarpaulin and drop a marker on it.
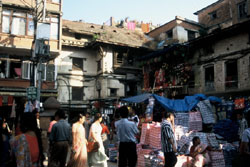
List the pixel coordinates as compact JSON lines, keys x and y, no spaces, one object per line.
{"x":184,"y":105}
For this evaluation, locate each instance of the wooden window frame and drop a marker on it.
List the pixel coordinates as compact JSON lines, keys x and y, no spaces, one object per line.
{"x":11,"y":16}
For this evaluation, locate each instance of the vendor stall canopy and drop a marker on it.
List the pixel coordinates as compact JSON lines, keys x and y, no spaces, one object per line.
{"x":183,"y":105}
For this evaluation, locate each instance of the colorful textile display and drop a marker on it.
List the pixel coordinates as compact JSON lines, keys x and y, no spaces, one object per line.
{"x":140,"y":155}
{"x":217,"y":159}
{"x":195,"y":121}
{"x":211,"y":137}
{"x":205,"y":108}
{"x":155,"y":136}
{"x":227,"y":129}
{"x":145,"y":133}
{"x":229,"y":152}
{"x":112,"y":153}
{"x":180,"y":131}
{"x":239,"y":103}
{"x":181,"y":119}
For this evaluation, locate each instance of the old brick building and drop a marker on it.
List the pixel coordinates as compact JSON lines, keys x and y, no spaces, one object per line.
{"x":221,"y":59}
{"x":178,"y":30}
{"x":223,"y":14}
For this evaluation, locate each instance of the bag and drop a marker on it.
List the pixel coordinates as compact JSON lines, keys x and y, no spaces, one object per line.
{"x":92,"y":146}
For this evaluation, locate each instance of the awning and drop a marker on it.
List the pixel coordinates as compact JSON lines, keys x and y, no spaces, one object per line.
{"x":183,"y":105}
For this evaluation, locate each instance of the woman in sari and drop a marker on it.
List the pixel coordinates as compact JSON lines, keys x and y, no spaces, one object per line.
{"x":99,"y":158}
{"x":79,"y":149}
{"x":27,"y":147}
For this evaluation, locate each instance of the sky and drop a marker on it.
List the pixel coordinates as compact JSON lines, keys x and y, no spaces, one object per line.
{"x":156,"y":11}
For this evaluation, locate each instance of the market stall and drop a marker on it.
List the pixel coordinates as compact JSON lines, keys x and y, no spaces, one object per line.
{"x":194,"y":116}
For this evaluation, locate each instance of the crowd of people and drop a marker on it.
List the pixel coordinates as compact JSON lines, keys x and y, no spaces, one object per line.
{"x":24,"y":147}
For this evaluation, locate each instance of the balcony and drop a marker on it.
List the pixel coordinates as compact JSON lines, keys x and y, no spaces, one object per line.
{"x":22,"y":83}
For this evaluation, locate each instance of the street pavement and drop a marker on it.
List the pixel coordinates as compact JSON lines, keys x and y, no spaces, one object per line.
{"x":110,"y":164}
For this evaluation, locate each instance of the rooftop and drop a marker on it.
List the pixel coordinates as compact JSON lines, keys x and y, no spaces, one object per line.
{"x":108,"y":34}
{"x":213,"y":4}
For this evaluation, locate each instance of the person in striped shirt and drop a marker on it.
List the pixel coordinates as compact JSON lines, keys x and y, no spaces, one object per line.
{"x":168,"y":142}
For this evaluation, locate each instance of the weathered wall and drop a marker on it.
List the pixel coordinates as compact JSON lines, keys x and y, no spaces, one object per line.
{"x":225,"y":49}
{"x":223,"y":14}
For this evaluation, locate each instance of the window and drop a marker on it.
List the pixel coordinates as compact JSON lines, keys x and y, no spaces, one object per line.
{"x":3,"y":68}
{"x":77,"y":64}
{"x":209,"y":78}
{"x":213,"y":15}
{"x":231,"y":79}
{"x":77,"y":93}
{"x":169,"y":34}
{"x":54,"y":27}
{"x":119,"y":58}
{"x":113,"y":92}
{"x":191,"y":34}
{"x":26,"y":66}
{"x":99,"y":65}
{"x":242,"y":10}
{"x":15,"y":22}
{"x":50,"y":72}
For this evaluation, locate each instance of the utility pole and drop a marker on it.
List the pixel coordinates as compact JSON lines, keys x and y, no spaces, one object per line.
{"x":37,"y":49}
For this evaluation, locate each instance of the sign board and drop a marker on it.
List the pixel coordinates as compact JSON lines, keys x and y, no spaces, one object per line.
{"x":43,"y":31}
{"x":31,"y":93}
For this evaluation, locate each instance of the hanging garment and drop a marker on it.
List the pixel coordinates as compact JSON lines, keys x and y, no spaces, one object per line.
{"x":10,"y":100}
{"x":205,"y":108}
{"x":1,"y":100}
{"x":239,"y":103}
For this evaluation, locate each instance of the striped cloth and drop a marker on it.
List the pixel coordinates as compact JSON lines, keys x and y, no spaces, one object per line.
{"x":166,"y":134}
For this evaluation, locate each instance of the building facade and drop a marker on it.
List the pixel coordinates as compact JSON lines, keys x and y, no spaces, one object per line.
{"x":16,"y":38}
{"x":223,"y":14}
{"x":97,"y":66}
{"x":179,"y":30}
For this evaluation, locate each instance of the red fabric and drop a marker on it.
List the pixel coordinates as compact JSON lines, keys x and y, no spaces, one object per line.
{"x":105,"y":129}
{"x":239,"y":103}
{"x":1,"y":100}
{"x":18,"y":71}
{"x":10,"y":100}
{"x":34,"y":149}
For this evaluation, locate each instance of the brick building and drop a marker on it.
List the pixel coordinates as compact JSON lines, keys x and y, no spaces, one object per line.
{"x":178,"y":30}
{"x":223,"y":14}
{"x":221,"y":58}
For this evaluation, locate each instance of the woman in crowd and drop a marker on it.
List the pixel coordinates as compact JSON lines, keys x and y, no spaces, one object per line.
{"x":79,"y":149}
{"x":99,"y":158}
{"x":27,"y":147}
{"x":199,"y":153}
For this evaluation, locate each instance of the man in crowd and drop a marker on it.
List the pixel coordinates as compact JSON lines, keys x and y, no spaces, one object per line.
{"x":168,"y":142}
{"x":245,"y":145}
{"x":59,"y":139}
{"x":126,"y":132}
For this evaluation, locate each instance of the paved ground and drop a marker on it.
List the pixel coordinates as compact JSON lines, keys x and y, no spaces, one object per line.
{"x":110,"y":164}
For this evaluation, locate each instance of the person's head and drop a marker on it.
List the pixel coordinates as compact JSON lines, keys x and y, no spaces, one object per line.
{"x":168,"y":115}
{"x":196,"y":141}
{"x":60,"y":114}
{"x":81,"y":118}
{"x":123,"y":111}
{"x":98,"y":117}
{"x":28,"y":122}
